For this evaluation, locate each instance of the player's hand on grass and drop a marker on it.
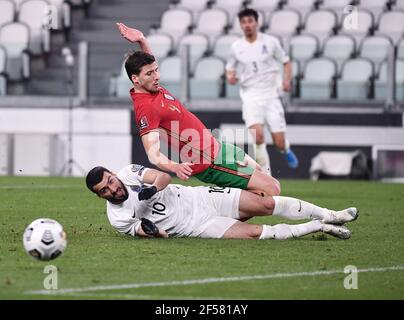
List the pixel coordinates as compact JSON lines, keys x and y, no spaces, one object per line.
{"x":131,"y":34}
{"x":183,"y":170}
{"x":152,"y":230}
{"x":147,"y":192}
{"x":149,"y":227}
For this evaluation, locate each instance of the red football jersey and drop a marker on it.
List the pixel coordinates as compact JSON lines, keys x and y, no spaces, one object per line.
{"x":181,"y":129}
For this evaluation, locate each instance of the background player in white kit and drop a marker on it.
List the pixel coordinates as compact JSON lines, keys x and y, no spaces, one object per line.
{"x":140,"y":201}
{"x":254,"y":63}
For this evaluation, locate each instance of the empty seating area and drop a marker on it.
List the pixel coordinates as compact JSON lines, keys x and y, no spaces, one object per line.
{"x":335,"y":36}
{"x":26,"y":29}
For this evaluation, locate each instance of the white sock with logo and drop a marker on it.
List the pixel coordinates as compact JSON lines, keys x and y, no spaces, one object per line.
{"x":295,"y":209}
{"x":286,"y":231}
{"x":262,"y":156}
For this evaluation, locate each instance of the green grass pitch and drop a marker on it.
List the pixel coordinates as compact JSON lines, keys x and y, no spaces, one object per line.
{"x":98,"y":256}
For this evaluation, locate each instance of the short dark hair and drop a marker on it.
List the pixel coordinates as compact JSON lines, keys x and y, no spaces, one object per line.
{"x":248,"y":12}
{"x":135,"y":60}
{"x":95,"y":176}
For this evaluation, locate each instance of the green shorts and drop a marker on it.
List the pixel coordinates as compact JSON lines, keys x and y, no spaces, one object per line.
{"x":225,"y":172}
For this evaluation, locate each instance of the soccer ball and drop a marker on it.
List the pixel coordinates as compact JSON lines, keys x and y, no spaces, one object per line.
{"x":44,"y":239}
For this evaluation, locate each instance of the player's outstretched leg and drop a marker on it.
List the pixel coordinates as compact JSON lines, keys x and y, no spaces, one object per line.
{"x":251,"y":205}
{"x":284,"y":146}
{"x":241,"y":230}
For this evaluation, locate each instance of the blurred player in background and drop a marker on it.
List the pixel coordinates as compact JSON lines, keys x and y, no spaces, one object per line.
{"x":160,"y":116}
{"x":254,"y":64}
{"x":141,"y":201}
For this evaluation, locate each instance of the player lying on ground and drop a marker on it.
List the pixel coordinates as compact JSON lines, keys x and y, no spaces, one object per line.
{"x":159,"y":115}
{"x":141,"y":201}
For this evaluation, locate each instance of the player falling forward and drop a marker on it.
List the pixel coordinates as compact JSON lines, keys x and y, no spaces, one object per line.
{"x":141,"y":201}
{"x":254,"y":64}
{"x":159,"y":115}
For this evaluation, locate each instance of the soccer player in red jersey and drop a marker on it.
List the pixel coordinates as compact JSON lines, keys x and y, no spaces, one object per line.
{"x":160,"y":116}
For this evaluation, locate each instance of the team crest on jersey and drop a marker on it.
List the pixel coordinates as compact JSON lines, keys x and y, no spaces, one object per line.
{"x":137,"y":168}
{"x":264,"y":49}
{"x":143,"y":124}
{"x":167,"y":96}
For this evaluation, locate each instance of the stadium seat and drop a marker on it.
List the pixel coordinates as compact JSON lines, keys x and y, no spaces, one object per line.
{"x":15,"y":39}
{"x":398,"y":5}
{"x":194,"y":6}
{"x":318,"y":79}
{"x":222,"y":46}
{"x":175,"y":22}
{"x":212,"y":22}
{"x":32,"y":13}
{"x":170,"y":74}
{"x":400,"y":49}
{"x":303,"y":47}
{"x":161,"y":44}
{"x":198,"y":46}
{"x":391,"y":23}
{"x":232,"y":7}
{"x":264,"y":5}
{"x":296,"y":74}
{"x":381,"y":81}
{"x":375,"y":48}
{"x":207,"y":79}
{"x":3,"y":66}
{"x":339,"y":48}
{"x":376,"y":7}
{"x":284,"y":23}
{"x":302,"y":6}
{"x":7,"y":11}
{"x":235,"y":28}
{"x":355,"y":82}
{"x":321,"y":23}
{"x":337,"y":6}
{"x":120,"y":85}
{"x":365,"y":23}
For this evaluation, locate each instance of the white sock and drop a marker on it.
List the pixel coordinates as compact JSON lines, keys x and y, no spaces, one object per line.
{"x":295,"y":209}
{"x":262,"y":156}
{"x":286,"y":231}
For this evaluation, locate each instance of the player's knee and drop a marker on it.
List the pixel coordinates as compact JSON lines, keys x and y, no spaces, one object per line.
{"x":259,"y":139}
{"x":276,"y":188}
{"x":268,"y":205}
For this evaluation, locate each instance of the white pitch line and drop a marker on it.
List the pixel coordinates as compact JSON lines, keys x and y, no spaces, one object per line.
{"x":145,"y":296}
{"x":206,"y":281}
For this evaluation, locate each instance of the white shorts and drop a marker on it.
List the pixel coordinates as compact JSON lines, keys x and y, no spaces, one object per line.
{"x":222,"y":207}
{"x":264,"y":111}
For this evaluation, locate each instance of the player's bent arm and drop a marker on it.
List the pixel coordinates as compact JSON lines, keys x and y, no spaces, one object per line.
{"x":151,"y":144}
{"x":157,"y":178}
{"x":161,"y":234}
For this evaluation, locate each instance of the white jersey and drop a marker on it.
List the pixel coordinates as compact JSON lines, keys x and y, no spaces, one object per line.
{"x":179,"y":210}
{"x":257,"y":65}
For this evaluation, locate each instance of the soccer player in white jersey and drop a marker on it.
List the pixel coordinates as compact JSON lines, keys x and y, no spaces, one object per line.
{"x":254,"y":64}
{"x":141,"y":201}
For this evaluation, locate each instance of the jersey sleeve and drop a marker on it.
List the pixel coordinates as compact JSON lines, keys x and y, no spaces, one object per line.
{"x":280,"y":54}
{"x":132,"y":174}
{"x":231,"y":64}
{"x":130,"y":226}
{"x":147,"y":120}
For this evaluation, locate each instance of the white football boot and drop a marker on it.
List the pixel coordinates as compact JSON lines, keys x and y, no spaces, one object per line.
{"x":340,"y":232}
{"x":342,"y":216}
